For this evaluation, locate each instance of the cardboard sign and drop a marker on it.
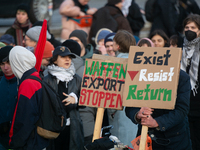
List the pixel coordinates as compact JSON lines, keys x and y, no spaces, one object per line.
{"x":103,"y":83}
{"x":152,"y":77}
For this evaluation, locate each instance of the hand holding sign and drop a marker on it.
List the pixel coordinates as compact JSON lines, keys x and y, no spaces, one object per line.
{"x":144,"y":112}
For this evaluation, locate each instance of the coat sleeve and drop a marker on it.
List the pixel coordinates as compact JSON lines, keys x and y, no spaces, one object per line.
{"x":131,"y":112}
{"x":176,"y":116}
{"x":26,"y":114}
{"x":67,"y":8}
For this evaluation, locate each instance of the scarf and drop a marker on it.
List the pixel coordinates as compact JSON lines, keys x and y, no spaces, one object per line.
{"x":19,"y":32}
{"x":62,"y":74}
{"x":83,"y":8}
{"x":191,"y":51}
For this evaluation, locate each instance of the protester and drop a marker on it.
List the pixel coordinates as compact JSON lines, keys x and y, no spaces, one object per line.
{"x":135,"y":18}
{"x":21,"y":24}
{"x":145,"y":42}
{"x":108,"y":42}
{"x":173,"y":41}
{"x":32,"y":36}
{"x":23,"y":132}
{"x":122,"y":42}
{"x":123,"y":127}
{"x":63,"y":78}
{"x":48,"y":50}
{"x":87,"y":114}
{"x":8,"y":89}
{"x":165,"y":16}
{"x":190,"y":64}
{"x":7,"y":39}
{"x":99,"y":41}
{"x":186,"y":7}
{"x":80,"y":36}
{"x":113,"y":7}
{"x":1,"y":72}
{"x":52,"y":40}
{"x":169,"y":129}
{"x":159,"y":38}
{"x":70,"y":10}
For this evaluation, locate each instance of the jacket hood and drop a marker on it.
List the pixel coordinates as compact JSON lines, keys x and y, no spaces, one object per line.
{"x":21,"y":60}
{"x":88,"y":52}
{"x":78,"y":62}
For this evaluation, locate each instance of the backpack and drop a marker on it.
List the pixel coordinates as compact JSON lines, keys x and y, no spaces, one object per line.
{"x":53,"y":116}
{"x":103,"y":19}
{"x":149,"y":7}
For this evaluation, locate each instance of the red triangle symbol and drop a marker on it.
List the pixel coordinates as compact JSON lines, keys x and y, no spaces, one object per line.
{"x":132,"y":74}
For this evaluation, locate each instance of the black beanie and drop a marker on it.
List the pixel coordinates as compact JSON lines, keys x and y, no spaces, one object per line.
{"x":24,"y":7}
{"x":4,"y":53}
{"x":113,"y":2}
{"x":73,"y":46}
{"x":82,"y":35}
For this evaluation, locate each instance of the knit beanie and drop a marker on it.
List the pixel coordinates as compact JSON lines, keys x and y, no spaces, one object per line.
{"x":4,"y":53}
{"x":113,"y":2}
{"x":2,"y":45}
{"x":34,"y":33}
{"x":48,"y":49}
{"x":23,"y":7}
{"x":7,"y":38}
{"x":73,"y":46}
{"x":82,"y":35}
{"x":109,"y":37}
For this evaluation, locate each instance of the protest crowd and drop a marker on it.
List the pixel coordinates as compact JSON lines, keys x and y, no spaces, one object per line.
{"x":41,"y":77}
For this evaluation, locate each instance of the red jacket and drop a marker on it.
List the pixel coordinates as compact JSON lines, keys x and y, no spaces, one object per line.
{"x":23,"y":133}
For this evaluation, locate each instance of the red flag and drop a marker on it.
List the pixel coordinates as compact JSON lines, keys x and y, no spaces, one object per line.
{"x":40,"y":45}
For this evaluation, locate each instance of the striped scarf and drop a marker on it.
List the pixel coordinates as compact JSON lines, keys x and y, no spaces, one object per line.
{"x":19,"y":32}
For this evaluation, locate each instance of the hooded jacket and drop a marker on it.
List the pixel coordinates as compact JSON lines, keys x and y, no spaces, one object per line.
{"x":79,"y":65}
{"x":88,"y":52}
{"x":23,"y":131}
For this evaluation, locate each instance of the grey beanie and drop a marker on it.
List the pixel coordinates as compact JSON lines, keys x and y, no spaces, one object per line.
{"x":34,"y":33}
{"x":82,"y":35}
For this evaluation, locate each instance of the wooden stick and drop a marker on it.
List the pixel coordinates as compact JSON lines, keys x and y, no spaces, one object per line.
{"x":143,"y":138}
{"x":98,"y":124}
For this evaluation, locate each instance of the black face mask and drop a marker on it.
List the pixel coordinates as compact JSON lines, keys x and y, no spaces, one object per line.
{"x":190,"y":35}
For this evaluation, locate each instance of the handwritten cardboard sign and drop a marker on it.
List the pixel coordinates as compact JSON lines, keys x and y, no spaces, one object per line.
{"x":152,"y":77}
{"x":103,"y":83}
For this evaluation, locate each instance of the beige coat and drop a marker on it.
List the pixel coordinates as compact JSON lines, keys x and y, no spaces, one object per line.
{"x":68,"y":9}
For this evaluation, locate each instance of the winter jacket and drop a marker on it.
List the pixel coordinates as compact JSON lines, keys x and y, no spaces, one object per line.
{"x":165,"y":16}
{"x":8,"y":92}
{"x":79,"y":65}
{"x":23,"y":133}
{"x":173,"y":124}
{"x":123,"y":128}
{"x":135,"y":18}
{"x":76,"y":127}
{"x":69,"y":9}
{"x":117,"y":14}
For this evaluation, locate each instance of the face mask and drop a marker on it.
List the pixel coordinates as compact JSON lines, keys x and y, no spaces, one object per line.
{"x":190,"y":35}
{"x":30,"y":48}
